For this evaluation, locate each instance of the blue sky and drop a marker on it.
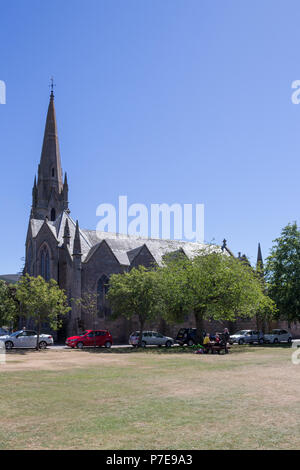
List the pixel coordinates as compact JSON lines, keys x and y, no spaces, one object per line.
{"x":184,"y":101}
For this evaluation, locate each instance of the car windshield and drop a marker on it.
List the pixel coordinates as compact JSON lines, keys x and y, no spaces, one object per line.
{"x":181,"y":331}
{"x":242,"y":332}
{"x":16,"y":333}
{"x":275,"y":332}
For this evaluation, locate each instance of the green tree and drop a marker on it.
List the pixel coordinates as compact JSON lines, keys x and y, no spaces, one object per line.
{"x":211,"y":286}
{"x":8,"y":305}
{"x":42,"y":301}
{"x":135,"y":293}
{"x":283,"y":273}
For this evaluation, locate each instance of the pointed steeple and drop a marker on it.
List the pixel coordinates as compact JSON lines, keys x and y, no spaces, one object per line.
{"x":51,"y":193}
{"x":259,"y":256}
{"x":34,"y":193}
{"x":77,"y":243}
{"x":260,"y":262}
{"x":50,"y":164}
{"x":66,"y":193}
{"x":67,"y":235}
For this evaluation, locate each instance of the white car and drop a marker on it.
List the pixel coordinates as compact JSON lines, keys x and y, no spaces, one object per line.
{"x":277,"y":336}
{"x":150,"y":338}
{"x":26,"y":339}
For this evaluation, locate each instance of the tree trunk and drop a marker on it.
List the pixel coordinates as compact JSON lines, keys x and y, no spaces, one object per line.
{"x":142,"y":323}
{"x":199,"y":315}
{"x":38,"y":334}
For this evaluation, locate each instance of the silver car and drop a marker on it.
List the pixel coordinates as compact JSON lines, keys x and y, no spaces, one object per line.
{"x":26,"y":339}
{"x":247,"y":336}
{"x":278,"y":336}
{"x":152,"y":338}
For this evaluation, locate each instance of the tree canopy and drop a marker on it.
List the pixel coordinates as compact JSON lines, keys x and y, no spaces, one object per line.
{"x":8,"y":305}
{"x":283,"y":273}
{"x":135,"y":293}
{"x":42,"y":301}
{"x":211,"y":286}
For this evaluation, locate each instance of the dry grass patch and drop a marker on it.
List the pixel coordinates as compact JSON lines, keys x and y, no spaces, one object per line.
{"x":77,"y":400}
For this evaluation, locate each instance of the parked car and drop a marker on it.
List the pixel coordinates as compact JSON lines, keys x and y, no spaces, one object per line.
{"x":150,"y":338}
{"x":247,"y":336}
{"x":90,"y":338}
{"x":187,"y":336}
{"x":277,"y":336}
{"x":4,"y":332}
{"x":26,"y":339}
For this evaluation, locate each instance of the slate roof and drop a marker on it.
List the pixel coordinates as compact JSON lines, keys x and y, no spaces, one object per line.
{"x":10,"y":278}
{"x":124,"y":247}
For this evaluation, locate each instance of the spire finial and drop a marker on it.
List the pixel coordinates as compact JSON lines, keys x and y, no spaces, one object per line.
{"x":52,"y":85}
{"x":224,"y":244}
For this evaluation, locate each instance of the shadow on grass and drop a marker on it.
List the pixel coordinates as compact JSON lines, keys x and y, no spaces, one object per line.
{"x":23,"y":352}
{"x":178,"y":350}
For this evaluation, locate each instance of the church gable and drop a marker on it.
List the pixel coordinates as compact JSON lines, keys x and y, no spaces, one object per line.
{"x":100,"y":260}
{"x":102,"y":254}
{"x":47,"y":232}
{"x":144,"y":257}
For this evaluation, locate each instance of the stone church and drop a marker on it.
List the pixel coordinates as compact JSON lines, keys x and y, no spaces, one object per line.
{"x":82,"y":260}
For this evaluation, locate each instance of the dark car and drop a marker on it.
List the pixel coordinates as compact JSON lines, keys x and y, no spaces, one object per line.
{"x":90,"y":338}
{"x":188,"y":336}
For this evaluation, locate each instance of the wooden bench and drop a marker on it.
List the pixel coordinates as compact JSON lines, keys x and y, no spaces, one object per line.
{"x":215,"y":348}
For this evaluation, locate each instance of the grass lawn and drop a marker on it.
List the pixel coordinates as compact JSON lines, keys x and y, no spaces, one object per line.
{"x":154,"y":399}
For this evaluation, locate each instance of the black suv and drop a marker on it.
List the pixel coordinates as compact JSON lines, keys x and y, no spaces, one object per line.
{"x":187,"y":336}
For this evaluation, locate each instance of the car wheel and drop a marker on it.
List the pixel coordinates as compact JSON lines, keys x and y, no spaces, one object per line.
{"x":108,"y":344}
{"x":275,"y":340}
{"x":9,"y":345}
{"x":190,"y":342}
{"x":43,"y":345}
{"x":289,"y":340}
{"x":143,"y":344}
{"x":168,"y":344}
{"x":79,"y":345}
{"x":261,"y":341}
{"x":241,"y":341}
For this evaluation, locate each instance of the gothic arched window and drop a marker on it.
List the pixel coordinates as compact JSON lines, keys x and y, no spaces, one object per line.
{"x":45,"y":264}
{"x":102,"y":289}
{"x":52,"y":215}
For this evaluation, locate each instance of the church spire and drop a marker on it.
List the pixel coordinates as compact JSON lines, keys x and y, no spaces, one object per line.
{"x":51,"y":193}
{"x":260,"y":262}
{"x":67,"y":235}
{"x":77,"y":243}
{"x":50,"y":164}
{"x":259,"y":257}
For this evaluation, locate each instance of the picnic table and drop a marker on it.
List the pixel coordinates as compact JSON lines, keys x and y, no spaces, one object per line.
{"x":214,"y":347}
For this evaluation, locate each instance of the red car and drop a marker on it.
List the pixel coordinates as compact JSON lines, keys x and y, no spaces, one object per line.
{"x":90,"y":338}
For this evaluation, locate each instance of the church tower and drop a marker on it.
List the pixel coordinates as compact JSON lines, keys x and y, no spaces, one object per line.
{"x":50,"y":193}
